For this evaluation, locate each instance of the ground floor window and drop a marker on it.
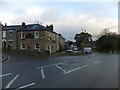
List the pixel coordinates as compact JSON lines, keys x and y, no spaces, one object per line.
{"x":37,"y":46}
{"x":57,"y":47}
{"x":11,"y":43}
{"x":22,"y":45}
{"x":49,"y":48}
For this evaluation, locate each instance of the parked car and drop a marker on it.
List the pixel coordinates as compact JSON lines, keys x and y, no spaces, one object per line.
{"x":75,"y":50}
{"x":87,"y":50}
{"x":69,"y":51}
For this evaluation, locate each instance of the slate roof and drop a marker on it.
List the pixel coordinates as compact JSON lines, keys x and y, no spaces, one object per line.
{"x":29,"y":27}
{"x":26,"y":27}
{"x":33,"y":27}
{"x":11,"y":27}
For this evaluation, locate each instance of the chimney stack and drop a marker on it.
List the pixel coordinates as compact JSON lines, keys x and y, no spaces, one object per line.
{"x":5,"y":24}
{"x":50,"y":27}
{"x":23,"y":23}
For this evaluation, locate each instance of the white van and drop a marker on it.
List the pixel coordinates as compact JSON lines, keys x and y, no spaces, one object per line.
{"x":87,"y":50}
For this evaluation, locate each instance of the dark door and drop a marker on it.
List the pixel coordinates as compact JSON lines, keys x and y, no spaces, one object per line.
{"x":4,"y":45}
{"x":9,"y":47}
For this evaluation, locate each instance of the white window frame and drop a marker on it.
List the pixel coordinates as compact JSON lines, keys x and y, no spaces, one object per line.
{"x":11,"y":34}
{"x":37,"y":35}
{"x":22,"y":46}
{"x":57,"y":47}
{"x":54,"y":37}
{"x":4,"y":34}
{"x":11,"y":43}
{"x":10,"y":40}
{"x":22,"y":35}
{"x":49,"y":35}
{"x":36,"y":45}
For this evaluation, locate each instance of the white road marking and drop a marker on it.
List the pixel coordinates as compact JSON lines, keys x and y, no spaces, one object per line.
{"x":76,"y":64}
{"x":9,"y":84}
{"x":5,"y":75}
{"x":83,"y":66}
{"x":25,"y":86}
{"x":75,"y":69}
{"x":42,"y":73}
{"x":60,"y":68}
{"x":97,"y":62}
{"x":49,"y":65}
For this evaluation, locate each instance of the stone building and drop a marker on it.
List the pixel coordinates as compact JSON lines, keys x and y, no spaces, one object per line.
{"x":1,"y":35}
{"x":31,"y":37}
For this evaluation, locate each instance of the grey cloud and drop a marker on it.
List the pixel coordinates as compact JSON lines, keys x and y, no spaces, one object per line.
{"x":67,"y":25}
{"x":93,"y":24}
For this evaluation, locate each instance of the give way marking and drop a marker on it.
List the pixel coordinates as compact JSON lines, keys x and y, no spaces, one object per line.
{"x":5,"y":75}
{"x":10,"y":83}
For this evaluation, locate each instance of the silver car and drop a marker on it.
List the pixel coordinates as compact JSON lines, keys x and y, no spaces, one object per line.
{"x":87,"y":50}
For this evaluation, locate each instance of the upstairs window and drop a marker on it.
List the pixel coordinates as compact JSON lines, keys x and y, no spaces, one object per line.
{"x":22,"y":45}
{"x":22,"y":35}
{"x":54,"y":37}
{"x":36,"y":34}
{"x":11,"y":34}
{"x":4,"y":34}
{"x":49,"y":35}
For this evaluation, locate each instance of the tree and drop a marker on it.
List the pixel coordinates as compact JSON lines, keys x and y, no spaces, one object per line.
{"x":68,"y":44}
{"x":108,"y":42}
{"x":83,"y":39}
{"x":105,"y":31}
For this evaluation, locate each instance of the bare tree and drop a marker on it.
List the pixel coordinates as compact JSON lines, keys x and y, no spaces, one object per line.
{"x":105,"y":31}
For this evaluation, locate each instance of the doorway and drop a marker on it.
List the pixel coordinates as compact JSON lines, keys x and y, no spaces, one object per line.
{"x":4,"y":45}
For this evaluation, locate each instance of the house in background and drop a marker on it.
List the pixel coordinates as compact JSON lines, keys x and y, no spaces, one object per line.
{"x":31,"y":37}
{"x":62,"y":43}
{"x":9,"y":37}
{"x":1,"y":26}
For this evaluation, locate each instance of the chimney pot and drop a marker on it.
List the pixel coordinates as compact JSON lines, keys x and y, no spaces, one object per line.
{"x":23,"y":23}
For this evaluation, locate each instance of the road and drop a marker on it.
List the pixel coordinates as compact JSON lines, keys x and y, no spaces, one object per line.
{"x":87,"y":71}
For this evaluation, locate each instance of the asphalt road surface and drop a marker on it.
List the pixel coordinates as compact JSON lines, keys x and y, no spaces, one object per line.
{"x":87,"y":71}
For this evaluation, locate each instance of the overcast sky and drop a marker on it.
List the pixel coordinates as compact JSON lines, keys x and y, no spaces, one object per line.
{"x":67,"y":17}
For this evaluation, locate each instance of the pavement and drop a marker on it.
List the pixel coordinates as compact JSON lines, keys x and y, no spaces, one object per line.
{"x":3,"y":57}
{"x":87,"y":71}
